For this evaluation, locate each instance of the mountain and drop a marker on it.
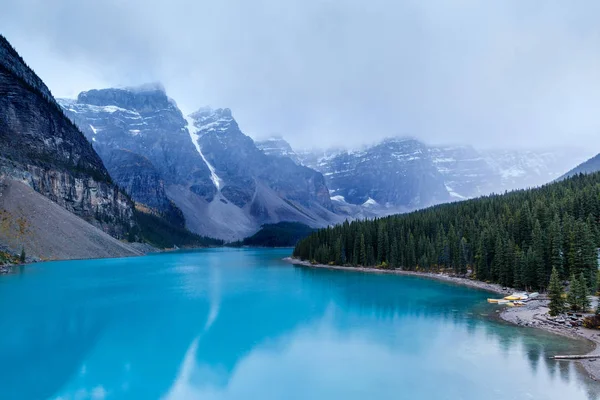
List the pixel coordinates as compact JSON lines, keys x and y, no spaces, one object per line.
{"x":278,"y":147}
{"x":402,"y":174}
{"x":466,"y":172}
{"x":43,"y":149}
{"x":590,"y":166}
{"x":395,"y":175}
{"x":519,"y":169}
{"x":201,"y":167}
{"x":268,"y":188}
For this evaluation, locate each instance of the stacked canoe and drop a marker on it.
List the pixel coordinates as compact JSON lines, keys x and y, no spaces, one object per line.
{"x":515,"y":299}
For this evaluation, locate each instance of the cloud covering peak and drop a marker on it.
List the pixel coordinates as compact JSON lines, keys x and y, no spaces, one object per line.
{"x":324,"y":72}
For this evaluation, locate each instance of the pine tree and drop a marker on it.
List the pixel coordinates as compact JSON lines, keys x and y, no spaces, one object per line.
{"x":556,"y":259}
{"x":394,"y":254}
{"x":555,"y":292}
{"x":572,"y":295}
{"x":338,"y":251}
{"x":583,"y":299}
{"x":518,"y":270}
{"x":363,"y":251}
{"x":356,"y":251}
{"x":538,"y":247}
{"x":463,"y":257}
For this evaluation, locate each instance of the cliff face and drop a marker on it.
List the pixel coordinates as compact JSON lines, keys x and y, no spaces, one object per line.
{"x":41,"y":147}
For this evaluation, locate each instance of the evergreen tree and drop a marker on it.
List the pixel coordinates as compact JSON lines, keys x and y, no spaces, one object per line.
{"x":363,"y":251}
{"x":574,"y":291}
{"x":513,"y":239}
{"x":538,"y":247}
{"x":555,"y":239}
{"x":356,"y":251}
{"x":518,"y":270}
{"x":555,"y":292}
{"x":583,"y":299}
{"x":463,"y":252}
{"x":338,"y":251}
{"x":394,"y":259}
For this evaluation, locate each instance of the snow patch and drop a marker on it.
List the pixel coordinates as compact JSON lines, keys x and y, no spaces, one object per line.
{"x":193,"y":131}
{"x":369,"y":202}
{"x":454,"y":194}
{"x":339,"y":198}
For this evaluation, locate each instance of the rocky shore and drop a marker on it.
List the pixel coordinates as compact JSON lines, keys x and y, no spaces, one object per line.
{"x":534,"y":314}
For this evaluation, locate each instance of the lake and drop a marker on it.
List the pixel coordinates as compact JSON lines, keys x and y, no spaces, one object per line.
{"x":242,"y":324}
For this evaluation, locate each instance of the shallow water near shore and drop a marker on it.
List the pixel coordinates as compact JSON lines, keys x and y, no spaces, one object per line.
{"x":241,"y":323}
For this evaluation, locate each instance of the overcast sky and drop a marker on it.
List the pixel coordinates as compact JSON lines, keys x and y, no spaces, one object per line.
{"x":495,"y":73}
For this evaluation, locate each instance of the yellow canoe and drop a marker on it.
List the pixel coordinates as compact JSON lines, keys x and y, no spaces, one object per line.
{"x":495,"y":301}
{"x":512,"y":298}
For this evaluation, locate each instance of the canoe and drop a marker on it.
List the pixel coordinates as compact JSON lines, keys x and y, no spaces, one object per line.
{"x":503,"y":301}
{"x":534,"y":295}
{"x":516,"y":296}
{"x":513,"y":297}
{"x":494,"y":301}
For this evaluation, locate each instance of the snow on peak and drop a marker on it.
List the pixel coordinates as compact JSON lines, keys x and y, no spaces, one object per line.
{"x":207,"y":120}
{"x":369,"y":203}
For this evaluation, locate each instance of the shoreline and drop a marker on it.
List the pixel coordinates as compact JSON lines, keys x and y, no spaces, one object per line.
{"x":532,"y":315}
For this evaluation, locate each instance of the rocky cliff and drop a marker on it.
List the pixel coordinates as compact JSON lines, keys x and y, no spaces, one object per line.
{"x":44,"y":149}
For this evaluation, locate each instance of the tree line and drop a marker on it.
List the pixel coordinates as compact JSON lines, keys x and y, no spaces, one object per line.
{"x":514,"y":239}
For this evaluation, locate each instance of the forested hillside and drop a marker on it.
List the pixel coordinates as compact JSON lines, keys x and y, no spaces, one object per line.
{"x":514,"y":239}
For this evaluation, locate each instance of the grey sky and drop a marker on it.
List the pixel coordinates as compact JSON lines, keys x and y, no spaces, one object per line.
{"x":329,"y":72}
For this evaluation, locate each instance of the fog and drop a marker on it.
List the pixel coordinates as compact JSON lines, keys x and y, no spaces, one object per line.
{"x":325,"y":73}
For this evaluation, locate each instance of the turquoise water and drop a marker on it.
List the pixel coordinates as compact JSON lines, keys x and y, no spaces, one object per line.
{"x":241,"y":324}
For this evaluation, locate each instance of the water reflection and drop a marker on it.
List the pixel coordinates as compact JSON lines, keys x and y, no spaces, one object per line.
{"x":240,"y":324}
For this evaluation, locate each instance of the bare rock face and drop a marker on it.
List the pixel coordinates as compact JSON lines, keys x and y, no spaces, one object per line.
{"x":224,"y":185}
{"x":241,"y":164}
{"x":40,"y":146}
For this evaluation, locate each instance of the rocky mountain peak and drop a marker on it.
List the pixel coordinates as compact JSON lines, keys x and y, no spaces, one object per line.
{"x":208,"y":120}
{"x":143,"y":99}
{"x":277,"y":146}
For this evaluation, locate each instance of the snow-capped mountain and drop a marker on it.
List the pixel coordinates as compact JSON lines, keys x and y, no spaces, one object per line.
{"x":405,"y":174}
{"x":395,"y":175}
{"x":269,"y":188}
{"x":201,"y":164}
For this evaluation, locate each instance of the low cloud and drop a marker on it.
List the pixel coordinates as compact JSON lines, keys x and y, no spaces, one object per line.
{"x":325,"y":72}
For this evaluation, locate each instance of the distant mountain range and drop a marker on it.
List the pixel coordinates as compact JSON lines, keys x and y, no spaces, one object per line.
{"x":202,"y":172}
{"x":401,"y":174}
{"x":131,"y":165}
